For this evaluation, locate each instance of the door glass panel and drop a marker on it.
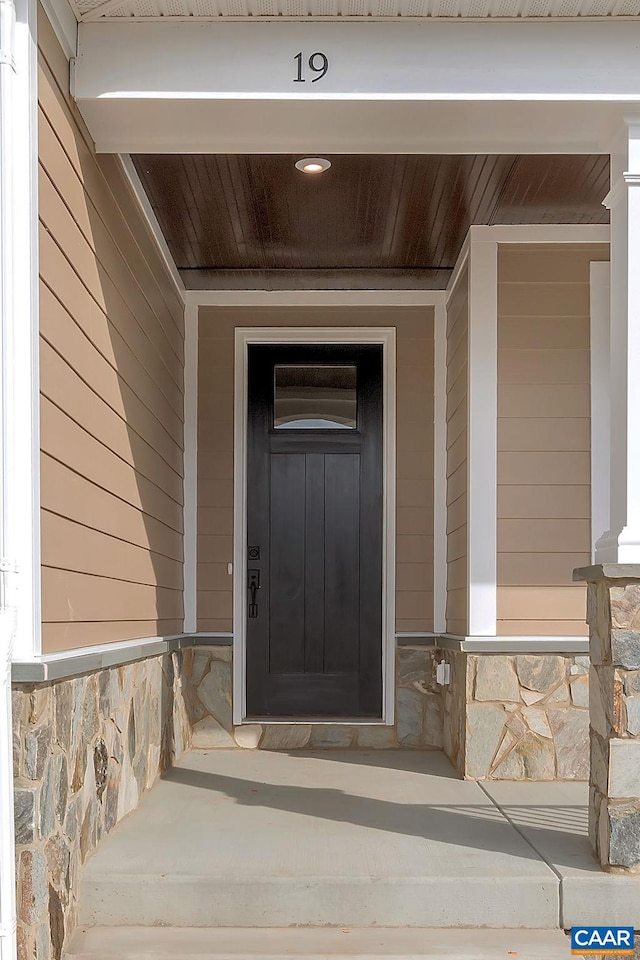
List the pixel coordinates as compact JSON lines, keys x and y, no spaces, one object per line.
{"x":315,"y":397}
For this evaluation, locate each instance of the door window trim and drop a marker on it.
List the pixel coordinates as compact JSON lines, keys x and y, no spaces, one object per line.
{"x":244,"y":337}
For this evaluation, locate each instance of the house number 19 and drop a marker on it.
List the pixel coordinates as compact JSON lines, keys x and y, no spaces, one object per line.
{"x":318,"y":63}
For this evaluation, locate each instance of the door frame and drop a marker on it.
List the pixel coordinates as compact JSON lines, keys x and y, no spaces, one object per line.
{"x":244,"y":336}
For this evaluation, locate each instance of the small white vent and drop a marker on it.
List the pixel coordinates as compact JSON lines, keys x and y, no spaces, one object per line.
{"x":505,"y":8}
{"x":234,"y":8}
{"x":84,"y":6}
{"x":174,"y":8}
{"x":476,"y":8}
{"x":144,"y":8}
{"x":568,"y":8}
{"x":538,"y":8}
{"x":324,"y":8}
{"x":205,"y":8}
{"x":449,"y":8}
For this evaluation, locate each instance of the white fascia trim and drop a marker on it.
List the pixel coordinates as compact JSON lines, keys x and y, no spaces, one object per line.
{"x":515,"y":644}
{"x":244,"y":336}
{"x":313,"y":298}
{"x":152,"y":222}
{"x":482,"y":437}
{"x":190,"y":510}
{"x":543,"y":233}
{"x":64,"y":23}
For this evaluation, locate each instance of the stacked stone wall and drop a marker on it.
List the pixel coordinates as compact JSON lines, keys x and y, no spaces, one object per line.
{"x":85,"y":749}
{"x":518,"y":717}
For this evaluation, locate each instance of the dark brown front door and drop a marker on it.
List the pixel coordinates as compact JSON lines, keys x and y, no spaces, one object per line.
{"x":314,"y":522}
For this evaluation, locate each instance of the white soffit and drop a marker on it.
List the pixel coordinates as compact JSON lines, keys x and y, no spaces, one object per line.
{"x":354,"y":9}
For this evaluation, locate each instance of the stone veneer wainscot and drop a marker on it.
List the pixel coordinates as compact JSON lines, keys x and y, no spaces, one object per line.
{"x":85,"y":750}
{"x":523,"y":717}
{"x":418,"y":722}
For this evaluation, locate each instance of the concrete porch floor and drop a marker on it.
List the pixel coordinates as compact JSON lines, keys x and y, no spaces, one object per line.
{"x":350,"y":839}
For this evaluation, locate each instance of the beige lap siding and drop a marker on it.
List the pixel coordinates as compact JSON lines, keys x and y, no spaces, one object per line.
{"x":544,"y":493}
{"x":111,"y":361}
{"x":457,"y":424}
{"x":414,"y":479}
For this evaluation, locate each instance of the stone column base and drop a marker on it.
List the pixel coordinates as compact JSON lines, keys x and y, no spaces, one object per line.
{"x":613,"y":610}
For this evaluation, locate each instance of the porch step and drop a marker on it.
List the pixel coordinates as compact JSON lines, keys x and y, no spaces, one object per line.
{"x":162,"y":943}
{"x":234,"y":838}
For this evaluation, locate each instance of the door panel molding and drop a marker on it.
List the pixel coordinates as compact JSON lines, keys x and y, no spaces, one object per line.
{"x":244,"y":337}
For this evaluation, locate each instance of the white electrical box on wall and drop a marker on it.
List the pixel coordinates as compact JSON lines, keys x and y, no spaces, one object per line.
{"x":443,"y":673}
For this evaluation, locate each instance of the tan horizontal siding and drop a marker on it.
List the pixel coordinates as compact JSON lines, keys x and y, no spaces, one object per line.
{"x":62,"y":439}
{"x":544,"y":436}
{"x":67,"y":545}
{"x":66,"y":636}
{"x":544,"y":501}
{"x":81,"y":597}
{"x":414,"y":450}
{"x":73,"y":496}
{"x":538,"y":569}
{"x":115,"y":336}
{"x":141,"y":403}
{"x":544,"y":628}
{"x":111,"y":377}
{"x":457,"y":414}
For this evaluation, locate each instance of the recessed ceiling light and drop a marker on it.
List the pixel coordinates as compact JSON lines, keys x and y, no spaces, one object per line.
{"x":313,"y":164}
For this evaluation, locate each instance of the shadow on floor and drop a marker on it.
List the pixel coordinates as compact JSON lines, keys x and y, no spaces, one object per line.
{"x":558,"y":829}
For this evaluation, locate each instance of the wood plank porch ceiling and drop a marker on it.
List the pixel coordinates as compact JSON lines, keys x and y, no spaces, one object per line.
{"x":372,"y":222}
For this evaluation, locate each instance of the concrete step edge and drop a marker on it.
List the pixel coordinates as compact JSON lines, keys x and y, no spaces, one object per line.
{"x":320,"y":943}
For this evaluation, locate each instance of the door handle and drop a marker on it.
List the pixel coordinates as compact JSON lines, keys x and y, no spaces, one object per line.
{"x":253,"y":583}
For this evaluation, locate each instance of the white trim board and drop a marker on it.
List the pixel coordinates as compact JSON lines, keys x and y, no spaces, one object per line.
{"x":64,"y":23}
{"x":72,"y":663}
{"x":514,"y":644}
{"x":440,"y":469}
{"x":482,"y":438}
{"x":315,"y":298}
{"x":600,"y":351}
{"x":190,"y":483}
{"x":152,"y":222}
{"x":319,"y":335}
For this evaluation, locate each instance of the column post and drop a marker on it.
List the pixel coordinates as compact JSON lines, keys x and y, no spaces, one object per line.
{"x":621,"y":543}
{"x":482,"y":451}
